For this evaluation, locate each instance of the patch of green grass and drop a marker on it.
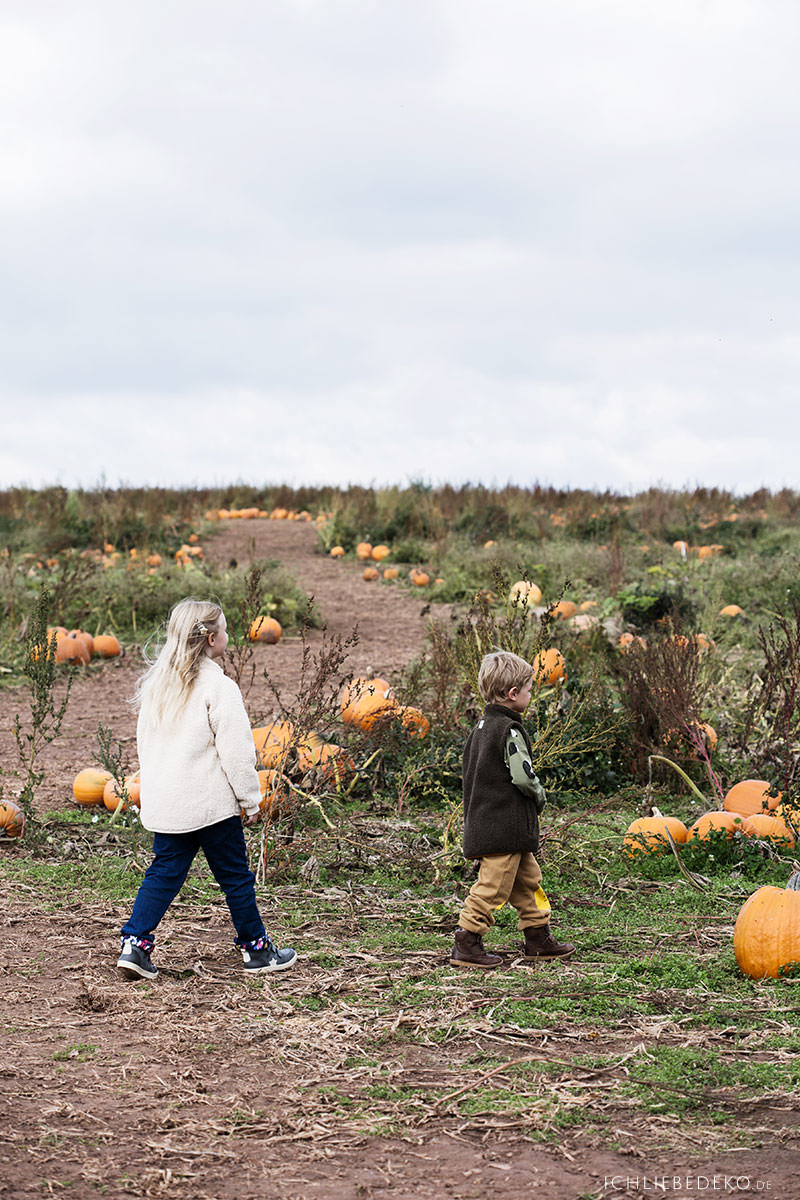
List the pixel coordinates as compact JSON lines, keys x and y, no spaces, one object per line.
{"x":77,"y":1052}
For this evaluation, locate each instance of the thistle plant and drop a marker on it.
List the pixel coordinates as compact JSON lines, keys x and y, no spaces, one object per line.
{"x":46,"y":709}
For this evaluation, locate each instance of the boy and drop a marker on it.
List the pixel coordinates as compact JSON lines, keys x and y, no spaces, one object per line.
{"x":502,"y":802}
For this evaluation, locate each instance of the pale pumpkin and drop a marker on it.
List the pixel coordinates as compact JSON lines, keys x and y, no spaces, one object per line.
{"x":766,"y":937}
{"x":525,"y":592}
{"x":88,"y":785}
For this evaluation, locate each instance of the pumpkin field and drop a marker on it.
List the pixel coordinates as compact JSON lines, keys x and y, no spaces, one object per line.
{"x":662,"y":1059}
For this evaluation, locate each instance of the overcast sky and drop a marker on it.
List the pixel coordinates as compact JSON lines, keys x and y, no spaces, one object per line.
{"x":335,"y":241}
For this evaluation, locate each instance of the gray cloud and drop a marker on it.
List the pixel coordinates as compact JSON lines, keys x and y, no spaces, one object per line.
{"x":344,"y":241}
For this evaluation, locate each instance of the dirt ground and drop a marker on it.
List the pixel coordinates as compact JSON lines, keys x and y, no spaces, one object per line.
{"x":206,"y":1084}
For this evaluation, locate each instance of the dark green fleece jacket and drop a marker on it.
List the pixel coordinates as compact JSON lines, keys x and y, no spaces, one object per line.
{"x":499,"y":817}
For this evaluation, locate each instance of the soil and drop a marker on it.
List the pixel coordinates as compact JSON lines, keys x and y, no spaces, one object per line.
{"x":206,"y":1084}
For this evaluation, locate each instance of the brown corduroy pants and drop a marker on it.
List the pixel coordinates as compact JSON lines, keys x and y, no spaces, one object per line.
{"x":515,"y":879}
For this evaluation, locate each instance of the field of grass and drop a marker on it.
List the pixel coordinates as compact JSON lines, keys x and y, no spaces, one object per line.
{"x":651,"y":1037}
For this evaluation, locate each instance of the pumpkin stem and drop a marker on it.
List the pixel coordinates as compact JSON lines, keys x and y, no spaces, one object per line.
{"x":682,"y":773}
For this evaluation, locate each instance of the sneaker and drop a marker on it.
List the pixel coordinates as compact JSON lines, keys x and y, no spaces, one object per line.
{"x":134,"y":962}
{"x":267,"y":956}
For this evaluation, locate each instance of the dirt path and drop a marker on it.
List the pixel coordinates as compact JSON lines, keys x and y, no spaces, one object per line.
{"x":391,"y":623}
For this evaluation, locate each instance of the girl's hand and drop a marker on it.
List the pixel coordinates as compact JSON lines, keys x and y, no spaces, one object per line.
{"x":251,"y":820}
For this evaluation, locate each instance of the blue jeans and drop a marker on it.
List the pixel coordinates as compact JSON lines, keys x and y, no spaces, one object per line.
{"x":226,"y":853}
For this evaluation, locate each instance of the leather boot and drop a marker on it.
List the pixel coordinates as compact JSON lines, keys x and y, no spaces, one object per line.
{"x":540,"y":944}
{"x":469,"y":951}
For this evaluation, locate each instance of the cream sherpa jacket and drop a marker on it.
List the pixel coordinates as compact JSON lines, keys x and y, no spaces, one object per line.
{"x":199,"y":769}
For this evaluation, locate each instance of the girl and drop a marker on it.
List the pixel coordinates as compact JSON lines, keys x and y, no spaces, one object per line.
{"x":197,"y":761}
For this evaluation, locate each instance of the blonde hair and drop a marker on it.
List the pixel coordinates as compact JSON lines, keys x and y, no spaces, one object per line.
{"x":164,"y":688}
{"x":501,"y":671}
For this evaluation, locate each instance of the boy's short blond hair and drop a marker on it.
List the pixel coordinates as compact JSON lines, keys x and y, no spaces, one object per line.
{"x":501,"y":671}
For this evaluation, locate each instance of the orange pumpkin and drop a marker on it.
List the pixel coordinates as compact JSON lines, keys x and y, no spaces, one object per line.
{"x":85,"y":637}
{"x":73,"y":650}
{"x":564,"y":609}
{"x":370,"y":574}
{"x":107,"y":646}
{"x":731,"y":610}
{"x":337,"y":552}
{"x":371,"y":710}
{"x":379,"y":553}
{"x":772,"y":829}
{"x":273,"y":742}
{"x":353,"y":691}
{"x":275,"y":790}
{"x":391,"y":573}
{"x":265,"y":629}
{"x":413,"y":720}
{"x":112,"y":798}
{"x":646,"y":835}
{"x":750,"y":796}
{"x":88,"y":786}
{"x":363,"y":550}
{"x":549,"y":667}
{"x":724,"y":822}
{"x":12,"y":820}
{"x":419,"y":578}
{"x":766,"y":936}
{"x":331,"y":762}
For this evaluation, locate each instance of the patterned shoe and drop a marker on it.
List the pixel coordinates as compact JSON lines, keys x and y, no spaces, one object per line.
{"x":134,"y":962}
{"x":264,"y":955}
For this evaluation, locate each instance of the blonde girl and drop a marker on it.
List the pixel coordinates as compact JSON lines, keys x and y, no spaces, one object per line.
{"x":198,"y":771}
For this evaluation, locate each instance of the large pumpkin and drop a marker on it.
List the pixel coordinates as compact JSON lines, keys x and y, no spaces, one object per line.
{"x":750,"y":796}
{"x":273,"y":742}
{"x":646,"y":835}
{"x":88,"y":786}
{"x":766,"y":937}
{"x":12,"y":820}
{"x":719,"y":822}
{"x":549,"y":667}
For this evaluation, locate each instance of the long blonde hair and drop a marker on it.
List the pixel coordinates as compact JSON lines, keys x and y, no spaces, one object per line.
{"x":164,"y":688}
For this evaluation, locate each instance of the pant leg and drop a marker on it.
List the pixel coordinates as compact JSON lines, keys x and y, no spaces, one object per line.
{"x":224,"y":847}
{"x":173,"y":856}
{"x":490,"y":890}
{"x":527,"y":894}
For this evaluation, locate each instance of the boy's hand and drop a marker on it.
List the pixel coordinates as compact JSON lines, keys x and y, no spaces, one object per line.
{"x":540,"y":795}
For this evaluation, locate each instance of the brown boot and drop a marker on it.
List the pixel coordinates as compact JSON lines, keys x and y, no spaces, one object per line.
{"x":540,"y":944}
{"x":468,"y":951}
